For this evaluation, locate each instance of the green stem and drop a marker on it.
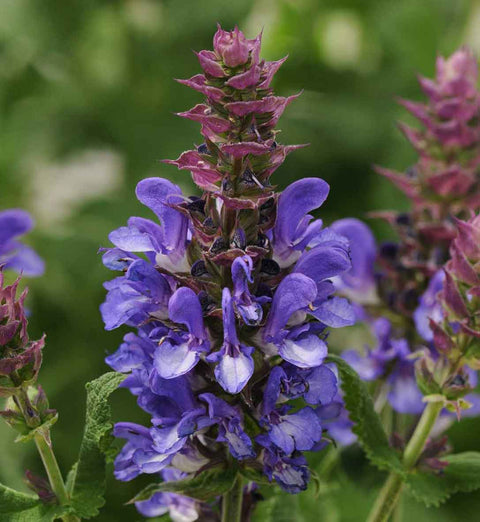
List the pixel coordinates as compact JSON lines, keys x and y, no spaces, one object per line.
{"x":232,"y":502}
{"x":24,"y":404}
{"x":44,"y":446}
{"x":328,"y":463}
{"x":398,"y":512}
{"x":390,"y":493}
{"x":386,"y":499}
{"x":420,"y":435}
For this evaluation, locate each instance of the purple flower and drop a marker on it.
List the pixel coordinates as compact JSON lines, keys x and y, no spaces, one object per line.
{"x":141,"y":293}
{"x":134,"y":353}
{"x":179,"y":352}
{"x":13,"y":254}
{"x":290,"y":472}
{"x":317,"y":385}
{"x":293,"y":431}
{"x":139,"y":442}
{"x":288,"y":431}
{"x":429,"y":307}
{"x":197,"y":287}
{"x":299,"y":345}
{"x":390,"y":360}
{"x":328,"y":259}
{"x":230,"y":429}
{"x":335,"y":417}
{"x":179,"y":507}
{"x":298,"y":295}
{"x":294,"y":228}
{"x":248,"y":307}
{"x":150,"y":450}
{"x":164,"y":244}
{"x":235,"y":364}
{"x":174,"y":423}
{"x":358,"y":282}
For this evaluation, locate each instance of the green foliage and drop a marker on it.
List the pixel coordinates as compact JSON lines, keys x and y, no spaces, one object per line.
{"x":280,"y":507}
{"x":461,"y":475}
{"x":87,"y":479}
{"x":19,"y":507}
{"x":254,"y":475}
{"x":368,"y":426}
{"x":206,"y":486}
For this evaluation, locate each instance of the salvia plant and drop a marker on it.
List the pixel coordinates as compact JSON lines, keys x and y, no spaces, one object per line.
{"x":27,"y":410}
{"x":230,"y":296}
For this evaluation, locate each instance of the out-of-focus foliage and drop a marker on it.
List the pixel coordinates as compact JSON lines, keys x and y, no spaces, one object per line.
{"x":86,"y":109}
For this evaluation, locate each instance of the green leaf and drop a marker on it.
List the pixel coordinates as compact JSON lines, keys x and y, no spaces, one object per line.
{"x":368,"y":426}
{"x":461,"y":475}
{"x":20,"y":507}
{"x":254,"y":475}
{"x":87,"y":479}
{"x":281,"y":507}
{"x":203,"y":487}
{"x":70,"y":482}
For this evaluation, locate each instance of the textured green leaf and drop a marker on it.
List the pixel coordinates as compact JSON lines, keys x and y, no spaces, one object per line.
{"x":254,"y":475}
{"x":204,"y":487}
{"x":461,"y":475}
{"x":368,"y":426}
{"x":87,"y":479}
{"x":70,"y":482}
{"x":20,"y":507}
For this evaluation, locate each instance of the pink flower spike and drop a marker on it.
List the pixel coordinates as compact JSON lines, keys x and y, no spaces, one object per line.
{"x":197,"y":82}
{"x":231,"y":46}
{"x":460,"y":266}
{"x":274,"y":104}
{"x":405,"y":184}
{"x":468,"y":239}
{"x":245,"y":80}
{"x":419,"y":110}
{"x":414,"y":136}
{"x":203,"y":114}
{"x":209,"y":64}
{"x":238,"y":150}
{"x":453,"y":298}
{"x":452,"y":182}
{"x":269,"y":70}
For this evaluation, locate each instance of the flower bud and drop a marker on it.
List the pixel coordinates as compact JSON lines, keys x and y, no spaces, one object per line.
{"x":20,"y":358}
{"x":231,"y":46}
{"x":425,"y":375}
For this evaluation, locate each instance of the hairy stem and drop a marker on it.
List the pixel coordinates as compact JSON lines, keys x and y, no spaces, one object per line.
{"x":387,"y":499}
{"x":44,"y":446}
{"x":232,"y":502}
{"x":398,"y":511}
{"x":390,"y":493}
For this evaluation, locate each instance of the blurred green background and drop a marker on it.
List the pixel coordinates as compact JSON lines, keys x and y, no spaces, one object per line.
{"x":86,"y":110}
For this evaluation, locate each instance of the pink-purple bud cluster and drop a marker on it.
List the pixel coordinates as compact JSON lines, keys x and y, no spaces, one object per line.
{"x":20,"y":358}
{"x":237,"y":119}
{"x":448,"y":144}
{"x":456,"y":328}
{"x":427,"y":281}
